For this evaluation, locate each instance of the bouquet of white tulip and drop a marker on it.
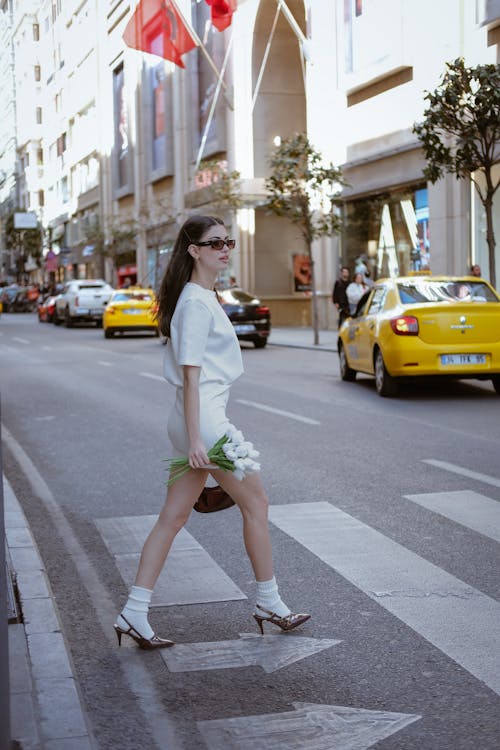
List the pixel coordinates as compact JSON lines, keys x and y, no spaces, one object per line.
{"x":230,"y":453}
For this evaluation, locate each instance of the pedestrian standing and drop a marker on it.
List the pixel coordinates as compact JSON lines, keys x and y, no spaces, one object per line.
{"x":339,"y":295}
{"x":475,"y":270}
{"x":355,"y":291}
{"x":202,"y":359}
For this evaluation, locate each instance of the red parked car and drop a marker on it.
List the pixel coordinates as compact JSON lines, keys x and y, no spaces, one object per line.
{"x":46,"y":307}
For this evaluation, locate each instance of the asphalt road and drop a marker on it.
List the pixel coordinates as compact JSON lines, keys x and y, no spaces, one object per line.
{"x":410,"y":586}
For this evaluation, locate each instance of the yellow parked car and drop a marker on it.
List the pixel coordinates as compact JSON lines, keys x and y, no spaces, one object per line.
{"x":423,"y":325}
{"x":132,"y":309}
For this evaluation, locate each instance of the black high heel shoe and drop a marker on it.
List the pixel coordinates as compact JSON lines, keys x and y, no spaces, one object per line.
{"x":289,"y":622}
{"x":145,"y":643}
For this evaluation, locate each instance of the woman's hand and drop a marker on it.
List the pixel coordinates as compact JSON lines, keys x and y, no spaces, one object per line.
{"x":197,"y":455}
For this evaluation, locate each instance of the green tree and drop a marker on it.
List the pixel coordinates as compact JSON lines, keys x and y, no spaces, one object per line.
{"x":118,"y":243}
{"x":306,"y":191}
{"x":460,"y":133}
{"x":24,"y":242}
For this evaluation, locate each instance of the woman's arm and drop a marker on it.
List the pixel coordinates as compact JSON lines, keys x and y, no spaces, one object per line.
{"x":197,"y":451}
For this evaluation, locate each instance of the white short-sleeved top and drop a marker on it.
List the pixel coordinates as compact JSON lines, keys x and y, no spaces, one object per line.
{"x":202,"y":335}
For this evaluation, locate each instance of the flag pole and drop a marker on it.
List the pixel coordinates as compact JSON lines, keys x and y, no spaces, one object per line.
{"x":202,"y":47}
{"x":214,"y":104}
{"x":264,"y":59}
{"x":291,"y":20}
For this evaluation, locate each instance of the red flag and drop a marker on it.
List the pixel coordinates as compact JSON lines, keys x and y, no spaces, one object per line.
{"x":158,"y":27}
{"x":222,"y":12}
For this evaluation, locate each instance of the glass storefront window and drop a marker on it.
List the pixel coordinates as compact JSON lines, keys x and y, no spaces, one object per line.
{"x":388,"y":234}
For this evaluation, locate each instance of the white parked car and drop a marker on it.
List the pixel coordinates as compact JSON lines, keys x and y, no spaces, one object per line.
{"x":82,"y":300}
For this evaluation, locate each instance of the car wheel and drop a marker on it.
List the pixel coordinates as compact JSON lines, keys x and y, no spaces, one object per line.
{"x":496,"y":383}
{"x":68,"y":321}
{"x":260,"y":342}
{"x":108,"y":334}
{"x":346,"y":372}
{"x":385,"y":384}
{"x":56,"y":319}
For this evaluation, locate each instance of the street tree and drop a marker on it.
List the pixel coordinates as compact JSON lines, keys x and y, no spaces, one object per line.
{"x":460,"y":134}
{"x":306,"y":191}
{"x":117,"y":242}
{"x":26,"y":244}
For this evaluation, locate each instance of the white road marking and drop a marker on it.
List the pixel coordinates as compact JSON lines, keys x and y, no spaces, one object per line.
{"x":271,"y":652}
{"x":190,"y":575}
{"x":310,"y":726}
{"x":20,"y":340}
{"x":44,"y":419}
{"x":47,"y":348}
{"x":455,"y":617}
{"x":281,"y":412}
{"x":477,"y":512}
{"x":464,"y":472}
{"x":152,"y":376}
{"x":104,"y":364}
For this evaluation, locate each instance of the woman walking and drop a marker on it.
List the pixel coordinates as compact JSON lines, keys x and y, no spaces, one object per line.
{"x":202,"y":359}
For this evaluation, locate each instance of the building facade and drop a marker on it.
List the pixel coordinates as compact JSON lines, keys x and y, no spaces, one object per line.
{"x":124,"y":143}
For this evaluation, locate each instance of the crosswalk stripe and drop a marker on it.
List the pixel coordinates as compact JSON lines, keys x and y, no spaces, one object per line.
{"x":477,"y":512}
{"x":453,"y":616}
{"x":485,"y":478}
{"x":190,"y":575}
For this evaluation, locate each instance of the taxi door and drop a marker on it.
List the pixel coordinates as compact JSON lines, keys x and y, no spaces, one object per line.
{"x":368,"y":327}
{"x":355,"y":334}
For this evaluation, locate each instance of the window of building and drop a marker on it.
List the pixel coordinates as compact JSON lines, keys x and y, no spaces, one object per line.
{"x":388,"y":233}
{"x":39,"y":115}
{"x":46,"y":24}
{"x":41,"y":198}
{"x":39,"y":157}
{"x":61,"y":144}
{"x":64,"y":190}
{"x":36,"y":32}
{"x":54,"y":12}
{"x":38,"y":73}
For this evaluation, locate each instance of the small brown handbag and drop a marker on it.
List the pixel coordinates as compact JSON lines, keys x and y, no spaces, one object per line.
{"x":213,"y":499}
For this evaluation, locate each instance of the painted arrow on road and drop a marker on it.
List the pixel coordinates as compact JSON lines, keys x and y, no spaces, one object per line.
{"x":271,"y":652}
{"x":311,"y":726}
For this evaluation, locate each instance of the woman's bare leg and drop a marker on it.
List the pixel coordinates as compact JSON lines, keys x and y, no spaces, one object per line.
{"x":181,"y":497}
{"x":252,"y":501}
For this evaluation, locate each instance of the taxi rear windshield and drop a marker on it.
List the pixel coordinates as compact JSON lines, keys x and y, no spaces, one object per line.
{"x":426,"y":290}
{"x":126,"y":296}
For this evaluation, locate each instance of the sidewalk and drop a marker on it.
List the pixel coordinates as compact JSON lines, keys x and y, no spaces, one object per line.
{"x":45,"y":708}
{"x":303,"y":338}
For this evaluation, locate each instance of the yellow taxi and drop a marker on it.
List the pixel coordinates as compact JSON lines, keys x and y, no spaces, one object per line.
{"x":423,"y":325}
{"x":132,"y":309}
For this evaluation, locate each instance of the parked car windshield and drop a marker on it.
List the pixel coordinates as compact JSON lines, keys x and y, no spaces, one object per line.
{"x":236,"y":297}
{"x":427,"y":290}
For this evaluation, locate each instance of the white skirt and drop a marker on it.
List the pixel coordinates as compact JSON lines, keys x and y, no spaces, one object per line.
{"x":213,"y":420}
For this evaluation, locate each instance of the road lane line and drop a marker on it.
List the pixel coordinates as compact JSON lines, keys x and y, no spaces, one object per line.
{"x":20,"y":340}
{"x":470,"y":509}
{"x":152,"y":376}
{"x":280,"y":412}
{"x":454,"y":617}
{"x":464,"y":472}
{"x":190,"y":575}
{"x":135,"y":669}
{"x":104,"y":364}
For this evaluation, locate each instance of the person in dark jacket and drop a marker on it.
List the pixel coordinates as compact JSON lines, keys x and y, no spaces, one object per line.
{"x":339,"y":295}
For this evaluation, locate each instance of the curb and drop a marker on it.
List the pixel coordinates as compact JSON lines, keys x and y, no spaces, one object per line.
{"x":45,"y":706}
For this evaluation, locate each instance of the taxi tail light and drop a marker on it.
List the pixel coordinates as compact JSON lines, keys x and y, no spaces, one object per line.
{"x":405,"y":325}
{"x":263,"y":310}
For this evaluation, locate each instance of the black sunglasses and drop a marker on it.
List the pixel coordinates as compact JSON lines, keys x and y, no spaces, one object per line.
{"x":217,"y":244}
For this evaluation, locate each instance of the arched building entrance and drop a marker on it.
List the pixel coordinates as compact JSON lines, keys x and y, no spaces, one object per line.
{"x":279,"y":111}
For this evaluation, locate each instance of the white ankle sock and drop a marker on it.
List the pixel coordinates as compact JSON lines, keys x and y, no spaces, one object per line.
{"x":269,"y":598}
{"x":136,"y":611}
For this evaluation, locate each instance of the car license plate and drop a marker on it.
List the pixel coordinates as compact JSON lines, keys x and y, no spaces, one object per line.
{"x":250,"y":328}
{"x":463,"y":359}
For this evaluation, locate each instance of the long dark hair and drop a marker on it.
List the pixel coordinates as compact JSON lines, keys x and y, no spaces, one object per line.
{"x":180,"y":267}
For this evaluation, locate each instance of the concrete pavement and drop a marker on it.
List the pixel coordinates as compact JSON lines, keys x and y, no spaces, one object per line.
{"x":46,"y":710}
